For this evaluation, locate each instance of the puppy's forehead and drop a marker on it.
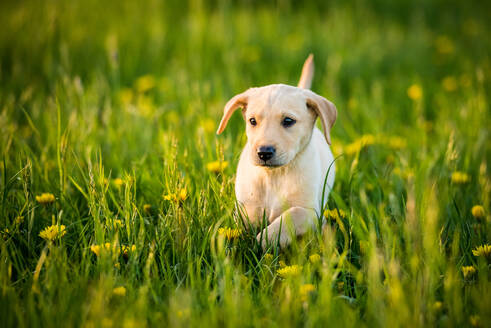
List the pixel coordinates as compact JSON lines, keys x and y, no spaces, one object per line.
{"x":276,"y":97}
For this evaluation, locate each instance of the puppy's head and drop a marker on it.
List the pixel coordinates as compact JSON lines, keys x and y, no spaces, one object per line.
{"x":279,"y":121}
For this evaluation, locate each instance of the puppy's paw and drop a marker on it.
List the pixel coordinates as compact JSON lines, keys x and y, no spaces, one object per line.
{"x":270,"y":238}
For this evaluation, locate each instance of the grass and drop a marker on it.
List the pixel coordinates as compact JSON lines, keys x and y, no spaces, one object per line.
{"x":111,"y":107}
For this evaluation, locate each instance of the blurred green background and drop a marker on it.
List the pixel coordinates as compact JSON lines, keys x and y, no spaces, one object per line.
{"x":111,"y":107}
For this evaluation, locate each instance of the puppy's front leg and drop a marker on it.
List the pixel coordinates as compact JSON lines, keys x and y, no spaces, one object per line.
{"x":293,"y":222}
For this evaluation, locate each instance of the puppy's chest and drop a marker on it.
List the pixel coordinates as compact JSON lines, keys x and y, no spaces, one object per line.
{"x":271,"y":195}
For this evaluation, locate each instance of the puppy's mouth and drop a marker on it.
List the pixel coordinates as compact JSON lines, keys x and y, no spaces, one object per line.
{"x":268,"y":164}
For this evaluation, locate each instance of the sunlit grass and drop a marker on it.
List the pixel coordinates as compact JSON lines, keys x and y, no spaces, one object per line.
{"x":118,"y":204}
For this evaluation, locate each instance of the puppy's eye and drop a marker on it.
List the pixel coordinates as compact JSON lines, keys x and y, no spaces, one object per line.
{"x":287,"y":121}
{"x":253,"y":121}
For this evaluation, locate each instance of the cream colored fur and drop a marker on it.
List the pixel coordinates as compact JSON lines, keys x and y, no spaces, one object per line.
{"x":288,"y":188}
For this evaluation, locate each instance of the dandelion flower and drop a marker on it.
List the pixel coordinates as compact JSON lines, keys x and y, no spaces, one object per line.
{"x":96,"y":249}
{"x":415,"y":92}
{"x":181,"y":195}
{"x":478,"y":211}
{"x":45,"y":198}
{"x":217,"y":166}
{"x":290,"y":271}
{"x":53,"y":232}
{"x":468,"y":271}
{"x":147,"y":208}
{"x":117,"y":224}
{"x":334,"y":214}
{"x":268,"y":257}
{"x":208,"y":125}
{"x":449,"y":83}
{"x":305,"y":291}
{"x":359,"y":144}
{"x":145,"y":83}
{"x":314,"y":258}
{"x":118,"y":182}
{"x":126,"y":96}
{"x":444,"y":45}
{"x":18,"y":220}
{"x":119,"y":291}
{"x":230,"y":233}
{"x":483,"y":250}
{"x":460,"y":177}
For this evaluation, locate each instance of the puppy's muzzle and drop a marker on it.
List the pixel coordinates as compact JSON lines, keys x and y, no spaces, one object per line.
{"x":265,"y":153}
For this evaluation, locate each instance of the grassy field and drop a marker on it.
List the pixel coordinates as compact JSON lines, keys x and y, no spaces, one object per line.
{"x":109,"y":109}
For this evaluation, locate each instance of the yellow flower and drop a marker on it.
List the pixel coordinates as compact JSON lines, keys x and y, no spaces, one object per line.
{"x":396,"y":142}
{"x":268,"y":257}
{"x":314,"y":258}
{"x":117,"y":223}
{"x":217,"y":166}
{"x":145,"y":83}
{"x":478,"y":211}
{"x":118,"y":182}
{"x":483,"y":250}
{"x":437,"y":306}
{"x":334,"y":214}
{"x":147,"y":208}
{"x":468,"y":271}
{"x":126,"y":96}
{"x":208,"y":125}
{"x":96,"y":249}
{"x":290,"y":271}
{"x":305,"y":290}
{"x":449,"y":83}
{"x":415,"y":92}
{"x":53,"y":232}
{"x":359,"y":144}
{"x":230,"y":233}
{"x":127,"y":249}
{"x":18,"y":220}
{"x":176,"y":197}
{"x":444,"y":45}
{"x":45,"y":198}
{"x":460,"y":177}
{"x":475,"y":320}
{"x":119,"y":291}
{"x":183,"y":194}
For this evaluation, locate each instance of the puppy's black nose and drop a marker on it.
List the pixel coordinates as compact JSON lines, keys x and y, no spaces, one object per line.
{"x":266,"y":152}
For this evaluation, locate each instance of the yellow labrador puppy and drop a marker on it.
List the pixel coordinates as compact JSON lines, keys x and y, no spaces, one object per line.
{"x":283,"y":166}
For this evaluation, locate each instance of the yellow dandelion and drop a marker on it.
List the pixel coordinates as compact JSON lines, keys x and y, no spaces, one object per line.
{"x":334,"y":214}
{"x":314,"y":258}
{"x":478,"y":211}
{"x":437,"y":306}
{"x":396,"y":142}
{"x":468,"y":271}
{"x":305,"y":291}
{"x":460,"y":177}
{"x":147,"y":208}
{"x":483,"y":250}
{"x":268,"y":257}
{"x":217,"y":166}
{"x":359,"y":144}
{"x":444,"y":45}
{"x":53,"y":232}
{"x":45,"y":198}
{"x":208,"y":125}
{"x":118,"y":182}
{"x":290,"y":271}
{"x":96,"y":249}
{"x":117,"y":224}
{"x":145,"y":83}
{"x":475,"y":320}
{"x":18,"y":220}
{"x":449,"y":83}
{"x":181,"y":195}
{"x":230,"y":233}
{"x":126,"y":96}
{"x":415,"y":92}
{"x":119,"y":291}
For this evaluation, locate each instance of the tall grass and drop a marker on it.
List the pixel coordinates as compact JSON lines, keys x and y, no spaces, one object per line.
{"x":112,"y":106}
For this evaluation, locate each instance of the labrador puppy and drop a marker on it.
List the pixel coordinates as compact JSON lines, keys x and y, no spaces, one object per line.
{"x":282,"y":169}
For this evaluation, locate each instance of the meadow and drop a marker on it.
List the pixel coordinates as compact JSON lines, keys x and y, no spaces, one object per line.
{"x":117,"y":197}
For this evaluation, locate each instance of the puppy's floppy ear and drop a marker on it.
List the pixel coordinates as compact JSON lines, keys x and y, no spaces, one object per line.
{"x":324,"y":109}
{"x":237,"y":101}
